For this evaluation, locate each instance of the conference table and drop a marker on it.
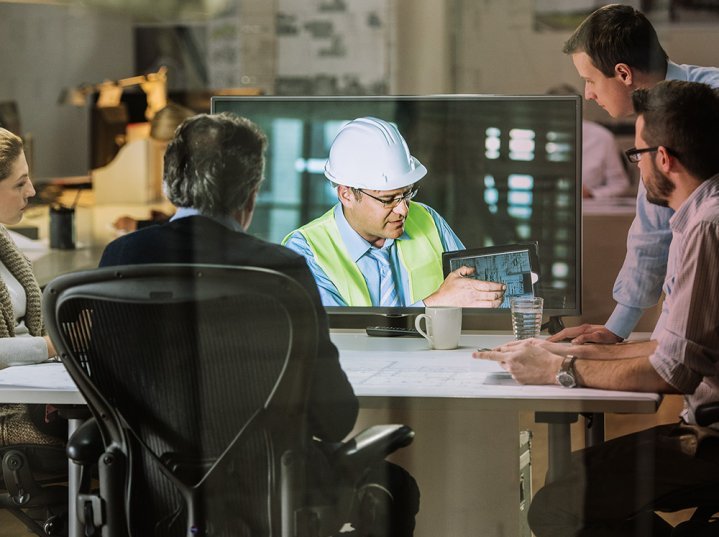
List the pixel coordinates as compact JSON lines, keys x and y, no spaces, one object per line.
{"x":465,"y":412}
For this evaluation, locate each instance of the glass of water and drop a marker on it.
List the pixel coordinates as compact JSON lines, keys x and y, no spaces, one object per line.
{"x":526,"y":316}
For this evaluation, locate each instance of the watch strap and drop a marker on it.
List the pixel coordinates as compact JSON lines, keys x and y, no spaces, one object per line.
{"x":568,"y":372}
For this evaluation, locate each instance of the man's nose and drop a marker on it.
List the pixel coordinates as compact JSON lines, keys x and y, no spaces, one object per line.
{"x":402,"y":207}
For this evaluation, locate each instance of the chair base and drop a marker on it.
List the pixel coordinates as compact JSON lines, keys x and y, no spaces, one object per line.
{"x":42,"y":522}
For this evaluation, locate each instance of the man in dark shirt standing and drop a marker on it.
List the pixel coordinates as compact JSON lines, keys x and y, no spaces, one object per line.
{"x":213,"y":170}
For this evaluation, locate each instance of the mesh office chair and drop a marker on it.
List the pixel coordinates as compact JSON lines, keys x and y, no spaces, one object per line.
{"x":197,"y":377}
{"x":33,"y":486}
{"x":705,"y":520}
{"x":33,"y":472}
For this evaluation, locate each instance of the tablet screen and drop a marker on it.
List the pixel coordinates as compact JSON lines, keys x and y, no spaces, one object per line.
{"x":511,"y":265}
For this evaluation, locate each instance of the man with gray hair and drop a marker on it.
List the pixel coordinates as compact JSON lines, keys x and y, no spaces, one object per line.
{"x":213,"y":170}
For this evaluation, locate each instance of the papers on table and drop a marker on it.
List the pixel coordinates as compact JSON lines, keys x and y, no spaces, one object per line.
{"x":417,"y":374}
{"x":45,"y":376}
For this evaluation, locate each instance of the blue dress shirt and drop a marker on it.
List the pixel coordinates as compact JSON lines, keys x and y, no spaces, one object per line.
{"x":639,"y":283}
{"x":358,"y":249}
{"x":227,"y":221}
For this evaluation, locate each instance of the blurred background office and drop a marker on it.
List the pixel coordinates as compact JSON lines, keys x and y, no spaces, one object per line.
{"x":282,"y":47}
{"x":604,"y":168}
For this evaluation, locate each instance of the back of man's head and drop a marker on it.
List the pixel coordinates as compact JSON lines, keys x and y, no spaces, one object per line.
{"x":617,"y":33}
{"x":214,"y":163}
{"x":684,"y":118}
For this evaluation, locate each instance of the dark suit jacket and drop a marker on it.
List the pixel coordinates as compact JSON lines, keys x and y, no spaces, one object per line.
{"x":333,"y":406}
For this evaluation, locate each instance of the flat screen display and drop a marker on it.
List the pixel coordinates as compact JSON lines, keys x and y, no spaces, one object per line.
{"x":501,"y":170}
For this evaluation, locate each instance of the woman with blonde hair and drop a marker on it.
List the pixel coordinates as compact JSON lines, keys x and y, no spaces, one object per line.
{"x":23,"y":339}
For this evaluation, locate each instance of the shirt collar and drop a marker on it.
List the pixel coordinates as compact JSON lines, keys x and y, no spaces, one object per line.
{"x":675,"y":71}
{"x":689,"y":208}
{"x":355,"y":244}
{"x":227,"y":221}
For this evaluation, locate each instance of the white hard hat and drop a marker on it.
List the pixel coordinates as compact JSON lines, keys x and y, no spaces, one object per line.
{"x":371,"y":153}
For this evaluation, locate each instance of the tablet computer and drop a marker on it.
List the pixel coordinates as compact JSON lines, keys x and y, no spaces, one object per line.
{"x":516,"y":265}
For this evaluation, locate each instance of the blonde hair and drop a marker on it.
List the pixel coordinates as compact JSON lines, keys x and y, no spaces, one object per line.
{"x":10,"y":149}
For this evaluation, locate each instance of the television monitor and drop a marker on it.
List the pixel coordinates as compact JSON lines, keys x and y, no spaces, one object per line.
{"x":501,"y":170}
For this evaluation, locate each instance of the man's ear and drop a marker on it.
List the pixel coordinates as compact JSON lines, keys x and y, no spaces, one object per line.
{"x":665,"y":160}
{"x":624,"y":73}
{"x":244,"y":216}
{"x":252,"y":200}
{"x":345,"y":195}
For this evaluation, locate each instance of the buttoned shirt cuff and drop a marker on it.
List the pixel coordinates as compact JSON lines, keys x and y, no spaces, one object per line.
{"x":623,"y":320}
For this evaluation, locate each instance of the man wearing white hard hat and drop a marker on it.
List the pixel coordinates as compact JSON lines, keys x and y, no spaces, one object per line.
{"x":374,"y":248}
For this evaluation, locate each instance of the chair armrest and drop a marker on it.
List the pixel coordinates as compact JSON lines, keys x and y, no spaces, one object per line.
{"x":372,"y":445}
{"x":707,"y":414}
{"x":85,"y":445}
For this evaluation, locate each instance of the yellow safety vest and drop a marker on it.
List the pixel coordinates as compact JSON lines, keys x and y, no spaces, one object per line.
{"x":421,"y":256}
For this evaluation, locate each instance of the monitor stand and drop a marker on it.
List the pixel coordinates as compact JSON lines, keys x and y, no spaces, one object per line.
{"x":363,"y":320}
{"x":554,"y":324}
{"x":394,"y":325}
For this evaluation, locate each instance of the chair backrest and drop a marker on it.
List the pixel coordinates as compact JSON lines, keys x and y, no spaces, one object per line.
{"x":198,"y":376}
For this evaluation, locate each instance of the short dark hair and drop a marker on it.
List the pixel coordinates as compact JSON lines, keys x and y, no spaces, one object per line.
{"x":214,"y":162}
{"x":684,"y":118}
{"x":10,"y":149}
{"x":615,"y":34}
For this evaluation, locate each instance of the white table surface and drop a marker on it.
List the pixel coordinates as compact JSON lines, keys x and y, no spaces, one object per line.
{"x":465,"y":412}
{"x":404,"y":367}
{"x":38,"y":383}
{"x":389,"y":368}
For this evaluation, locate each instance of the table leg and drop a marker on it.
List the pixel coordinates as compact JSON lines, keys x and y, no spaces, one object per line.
{"x":559,"y":445}
{"x":594,"y":431}
{"x":73,"y":483}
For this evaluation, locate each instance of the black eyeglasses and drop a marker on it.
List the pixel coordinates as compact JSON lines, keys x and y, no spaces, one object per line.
{"x":634,"y":154}
{"x":393,"y":202}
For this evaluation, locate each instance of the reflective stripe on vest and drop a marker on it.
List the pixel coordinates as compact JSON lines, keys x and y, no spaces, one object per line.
{"x":421,"y":256}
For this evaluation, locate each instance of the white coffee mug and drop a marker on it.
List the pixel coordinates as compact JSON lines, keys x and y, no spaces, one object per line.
{"x":444,"y":325}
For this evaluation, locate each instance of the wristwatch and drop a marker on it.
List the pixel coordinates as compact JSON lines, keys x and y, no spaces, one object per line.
{"x":567,"y":376}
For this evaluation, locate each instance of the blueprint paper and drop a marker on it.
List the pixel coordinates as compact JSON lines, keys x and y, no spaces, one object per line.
{"x":51,"y":376}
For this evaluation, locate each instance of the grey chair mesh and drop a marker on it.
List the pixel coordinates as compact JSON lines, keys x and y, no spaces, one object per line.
{"x":198,"y":378}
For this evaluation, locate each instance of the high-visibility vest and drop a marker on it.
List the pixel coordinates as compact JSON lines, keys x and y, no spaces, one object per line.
{"x":421,"y":256}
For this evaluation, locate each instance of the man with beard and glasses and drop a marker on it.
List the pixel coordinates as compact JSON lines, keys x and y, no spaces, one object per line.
{"x":613,"y":489}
